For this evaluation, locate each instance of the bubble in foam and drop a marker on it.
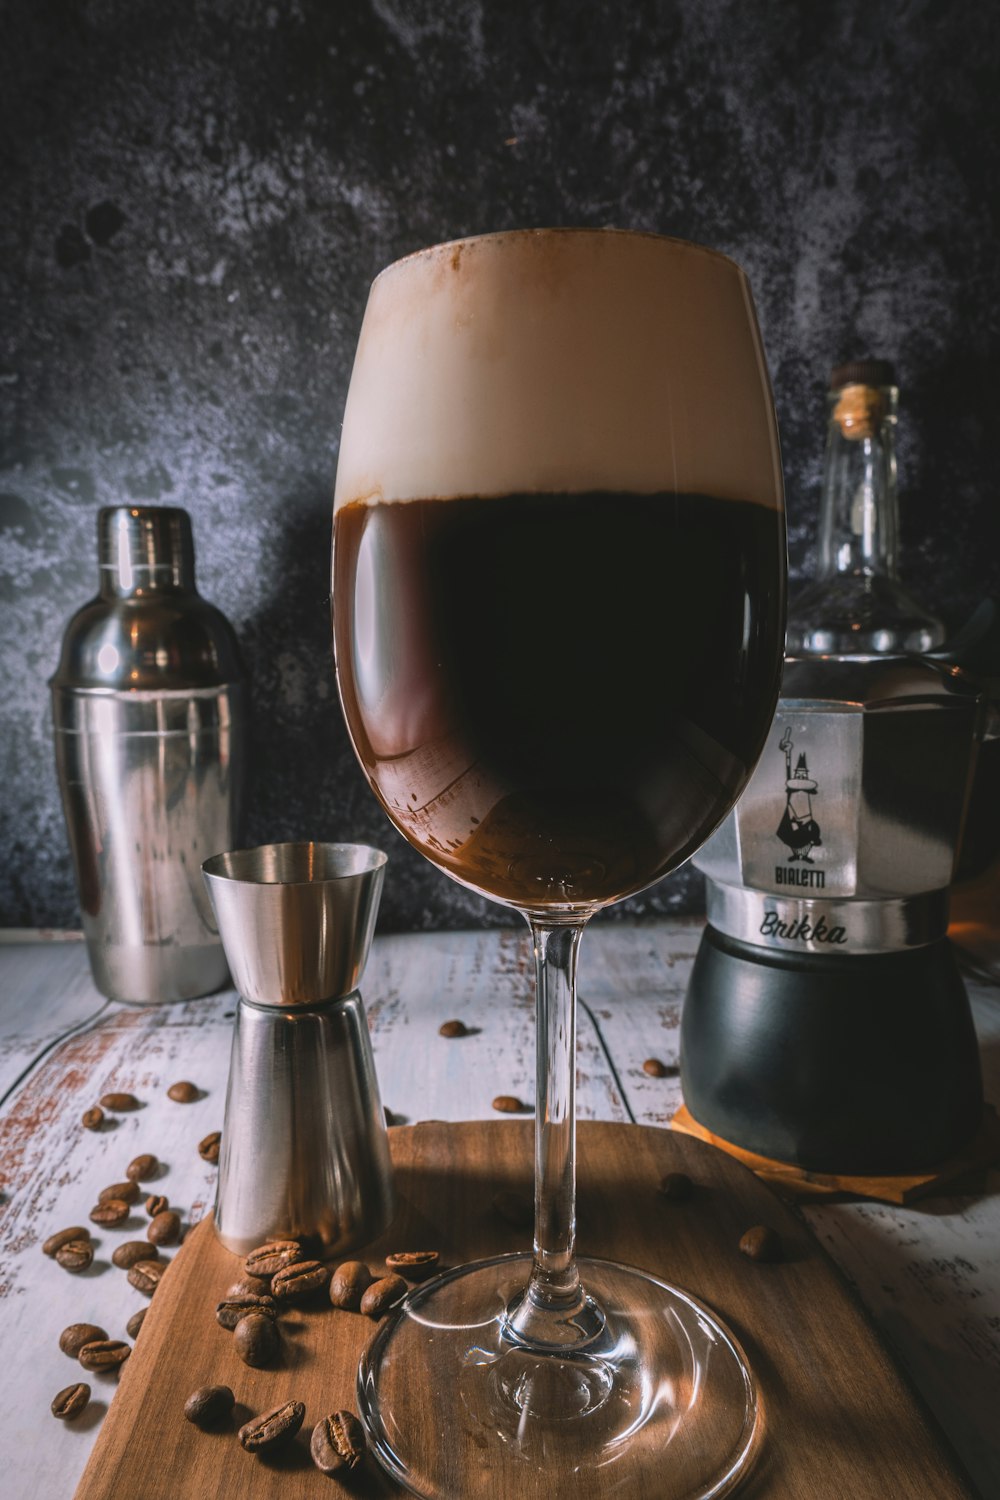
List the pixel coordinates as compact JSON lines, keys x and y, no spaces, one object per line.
{"x":559,"y":361}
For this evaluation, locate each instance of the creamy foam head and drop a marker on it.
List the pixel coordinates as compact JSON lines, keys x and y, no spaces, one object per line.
{"x":559,"y":360}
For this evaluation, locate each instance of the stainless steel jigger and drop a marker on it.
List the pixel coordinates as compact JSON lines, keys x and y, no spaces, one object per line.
{"x":304,"y":1144}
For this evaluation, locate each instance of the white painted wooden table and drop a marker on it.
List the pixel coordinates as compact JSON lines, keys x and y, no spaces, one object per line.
{"x":929,"y":1275}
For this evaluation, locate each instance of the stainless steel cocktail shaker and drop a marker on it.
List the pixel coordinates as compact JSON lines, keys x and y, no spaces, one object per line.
{"x":149,"y":711}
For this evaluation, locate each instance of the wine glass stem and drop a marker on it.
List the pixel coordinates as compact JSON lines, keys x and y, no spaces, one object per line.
{"x":554,"y":1310}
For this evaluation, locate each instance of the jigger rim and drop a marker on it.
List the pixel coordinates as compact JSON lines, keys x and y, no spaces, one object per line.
{"x":304,"y":862}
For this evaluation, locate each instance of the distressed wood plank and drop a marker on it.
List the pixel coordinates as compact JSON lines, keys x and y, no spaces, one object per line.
{"x":51,"y":1169}
{"x":45,"y":991}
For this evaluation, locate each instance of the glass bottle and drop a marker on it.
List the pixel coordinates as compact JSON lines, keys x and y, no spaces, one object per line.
{"x":856,"y":605}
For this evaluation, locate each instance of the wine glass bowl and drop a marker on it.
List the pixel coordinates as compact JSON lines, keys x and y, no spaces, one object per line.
{"x":558,"y":606}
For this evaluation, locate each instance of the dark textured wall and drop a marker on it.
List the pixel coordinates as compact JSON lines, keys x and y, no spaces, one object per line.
{"x":196,"y":197}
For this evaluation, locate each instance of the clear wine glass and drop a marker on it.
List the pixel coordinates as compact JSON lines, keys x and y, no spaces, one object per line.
{"x":558,"y":603}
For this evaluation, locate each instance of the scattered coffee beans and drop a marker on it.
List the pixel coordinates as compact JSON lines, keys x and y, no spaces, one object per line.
{"x":656,"y":1068}
{"x":249,"y":1286}
{"x":299,"y":1280}
{"x":142,"y":1168}
{"x":210,"y":1406}
{"x":453,"y":1028}
{"x":63,"y":1237}
{"x":128,"y":1255}
{"x":273,"y":1428}
{"x":208,"y":1149}
{"x":413,"y":1264}
{"x":70,"y":1402}
{"x":349,"y":1283}
{"x":135,"y":1322}
{"x":256,"y":1340}
{"x":119,"y":1104}
{"x":272,"y":1257}
{"x":76,"y":1255}
{"x":183,"y":1092}
{"x":73,"y":1338}
{"x":676,"y":1186}
{"x":125,"y":1192}
{"x":507,"y":1104}
{"x":104,"y":1354}
{"x":111,"y":1211}
{"x":232,"y":1310}
{"x":382,"y":1294}
{"x":761,"y":1243}
{"x":93,"y":1119}
{"x":156,"y":1203}
{"x":164,"y":1228}
{"x":146,"y":1275}
{"x":338,"y":1443}
{"x":517,"y":1208}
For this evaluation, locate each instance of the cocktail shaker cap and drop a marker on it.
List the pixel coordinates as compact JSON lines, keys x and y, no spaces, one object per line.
{"x":862,"y":372}
{"x":140,"y":546}
{"x":148,"y":629}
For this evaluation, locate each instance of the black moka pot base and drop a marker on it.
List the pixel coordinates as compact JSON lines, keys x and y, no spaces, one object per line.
{"x":860,"y":1066}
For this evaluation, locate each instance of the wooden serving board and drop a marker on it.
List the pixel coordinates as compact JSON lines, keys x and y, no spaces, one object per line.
{"x":839,"y":1418}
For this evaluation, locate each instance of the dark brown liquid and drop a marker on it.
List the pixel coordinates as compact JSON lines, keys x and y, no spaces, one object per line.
{"x":557,"y":697}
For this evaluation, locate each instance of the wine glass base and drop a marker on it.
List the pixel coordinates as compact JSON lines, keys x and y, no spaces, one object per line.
{"x":663,"y":1404}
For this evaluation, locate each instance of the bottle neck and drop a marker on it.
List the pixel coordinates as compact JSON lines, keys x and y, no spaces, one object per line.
{"x":859,"y":514}
{"x":143,"y":550}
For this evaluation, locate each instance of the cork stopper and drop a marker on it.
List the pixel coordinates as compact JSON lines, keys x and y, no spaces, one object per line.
{"x":859,"y":388}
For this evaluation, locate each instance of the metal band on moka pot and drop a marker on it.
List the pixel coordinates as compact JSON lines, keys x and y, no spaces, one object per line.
{"x":847,"y":928}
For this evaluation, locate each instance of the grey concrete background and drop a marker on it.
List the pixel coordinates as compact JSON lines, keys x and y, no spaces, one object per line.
{"x":196,"y":197}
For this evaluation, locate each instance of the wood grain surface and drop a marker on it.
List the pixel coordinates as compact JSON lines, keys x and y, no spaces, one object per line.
{"x":839,"y":1420}
{"x":927,"y":1273}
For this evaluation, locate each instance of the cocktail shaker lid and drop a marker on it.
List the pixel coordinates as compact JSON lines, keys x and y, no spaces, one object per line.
{"x":148,"y":629}
{"x":144,"y":546}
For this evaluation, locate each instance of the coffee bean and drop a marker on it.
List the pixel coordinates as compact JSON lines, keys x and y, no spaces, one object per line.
{"x":256,"y":1340}
{"x":299,"y":1280}
{"x":349,"y":1283}
{"x":92,"y":1119}
{"x":453,"y":1028}
{"x":516,"y":1208}
{"x":156,"y":1203}
{"x":146,"y":1275}
{"x":77,"y":1255}
{"x":210,"y":1406}
{"x":119,"y":1104}
{"x":413,"y":1264}
{"x":382,"y":1294}
{"x":507,"y":1104}
{"x":70,"y":1402}
{"x":125,"y":1192}
{"x":183,"y":1092}
{"x":111,"y":1211}
{"x":273,"y":1428}
{"x":249,"y":1286}
{"x":677,"y":1186}
{"x":761,"y":1244}
{"x":274,"y":1256}
{"x":142,"y":1168}
{"x":656,"y":1068}
{"x":135,"y":1322}
{"x":164,"y":1228}
{"x":338,"y":1443}
{"x":232,"y":1310}
{"x":73,"y":1338}
{"x":104,"y":1354}
{"x":208,"y":1149}
{"x":128,"y":1255}
{"x":63,"y":1237}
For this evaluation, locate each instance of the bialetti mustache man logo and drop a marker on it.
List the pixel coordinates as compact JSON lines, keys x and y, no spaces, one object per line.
{"x":798,"y":829}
